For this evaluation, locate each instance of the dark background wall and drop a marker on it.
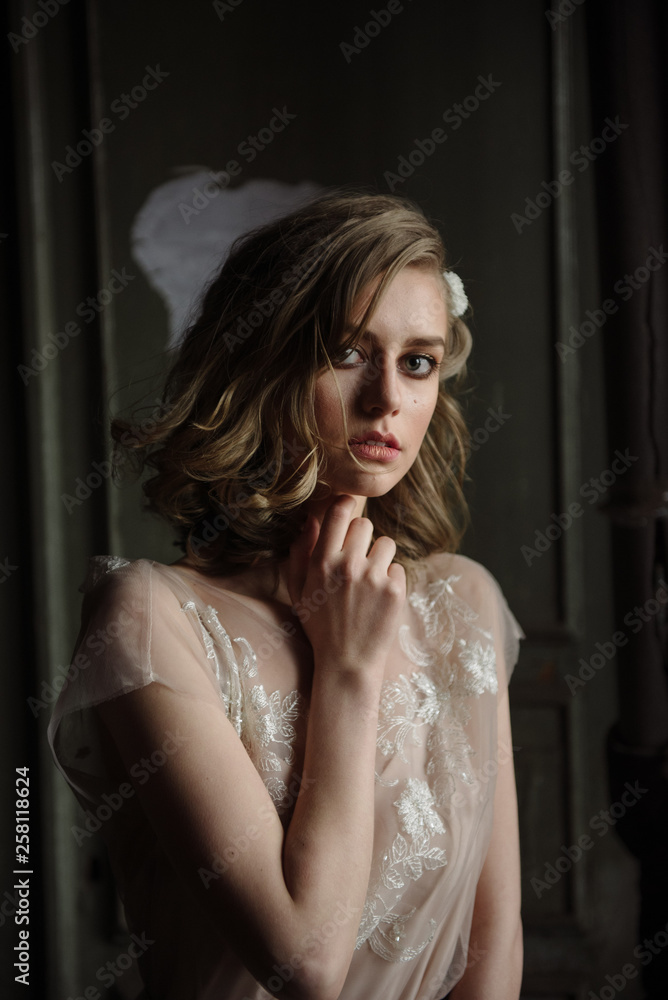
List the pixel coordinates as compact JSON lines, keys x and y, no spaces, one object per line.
{"x":64,"y":232}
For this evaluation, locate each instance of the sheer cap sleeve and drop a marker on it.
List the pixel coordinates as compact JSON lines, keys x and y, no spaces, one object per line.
{"x":484,"y":595}
{"x":506,"y":630}
{"x":135,"y":630}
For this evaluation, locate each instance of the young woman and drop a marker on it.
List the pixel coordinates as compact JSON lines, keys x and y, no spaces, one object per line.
{"x":295,"y":740}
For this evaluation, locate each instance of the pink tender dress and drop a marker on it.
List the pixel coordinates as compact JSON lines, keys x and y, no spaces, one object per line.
{"x":436,"y":762}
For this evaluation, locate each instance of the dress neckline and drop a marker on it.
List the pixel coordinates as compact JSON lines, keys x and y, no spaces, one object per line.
{"x":231,"y":595}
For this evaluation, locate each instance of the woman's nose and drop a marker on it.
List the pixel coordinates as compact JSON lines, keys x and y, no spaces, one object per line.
{"x":381,"y":387}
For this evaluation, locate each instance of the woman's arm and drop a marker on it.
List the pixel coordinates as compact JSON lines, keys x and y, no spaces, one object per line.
{"x":288,"y":903}
{"x":496,"y":952}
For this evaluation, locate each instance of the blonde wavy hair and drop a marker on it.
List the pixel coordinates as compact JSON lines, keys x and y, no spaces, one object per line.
{"x":235,"y":446}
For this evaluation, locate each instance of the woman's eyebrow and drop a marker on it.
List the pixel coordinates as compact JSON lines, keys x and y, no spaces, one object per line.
{"x":418,"y":341}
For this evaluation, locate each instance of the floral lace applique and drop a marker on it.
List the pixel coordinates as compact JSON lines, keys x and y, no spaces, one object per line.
{"x":381,"y":927}
{"x":269,"y":720}
{"x":385,"y":933}
{"x":480,"y":664}
{"x":408,"y":861}
{"x":230,"y":682}
{"x":99,"y":566}
{"x":460,"y":668}
{"x":417,"y":814}
{"x":444,"y":613}
{"x":191,"y":608}
{"x":449,"y":760}
{"x":428,"y":708}
{"x":404,"y":706}
{"x":259,"y":719}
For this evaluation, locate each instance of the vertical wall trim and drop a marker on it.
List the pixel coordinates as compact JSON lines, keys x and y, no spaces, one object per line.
{"x":569,"y":410}
{"x":49,"y":555}
{"x":568,"y":373}
{"x":103,"y":236}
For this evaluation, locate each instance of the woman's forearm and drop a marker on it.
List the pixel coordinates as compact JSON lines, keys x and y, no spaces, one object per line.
{"x":329,"y":842}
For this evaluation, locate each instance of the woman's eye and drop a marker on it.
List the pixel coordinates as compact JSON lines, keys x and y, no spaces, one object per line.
{"x":417,"y":365}
{"x":424,"y":364}
{"x":345,"y":356}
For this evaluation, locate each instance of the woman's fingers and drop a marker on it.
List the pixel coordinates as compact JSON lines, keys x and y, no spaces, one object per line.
{"x":383,"y":550}
{"x":348,"y":602}
{"x":397,"y":573}
{"x":357,"y":595}
{"x":334,"y":526}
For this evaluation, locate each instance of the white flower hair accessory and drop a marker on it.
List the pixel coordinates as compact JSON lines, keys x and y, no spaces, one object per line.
{"x":460,"y":302}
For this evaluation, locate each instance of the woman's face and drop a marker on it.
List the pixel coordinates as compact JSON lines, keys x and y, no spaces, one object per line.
{"x":389,"y":385}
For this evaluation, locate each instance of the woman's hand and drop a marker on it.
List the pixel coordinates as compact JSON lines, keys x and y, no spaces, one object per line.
{"x":356,"y":623}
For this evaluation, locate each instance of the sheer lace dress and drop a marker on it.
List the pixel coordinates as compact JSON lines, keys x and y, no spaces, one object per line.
{"x":436,"y":761}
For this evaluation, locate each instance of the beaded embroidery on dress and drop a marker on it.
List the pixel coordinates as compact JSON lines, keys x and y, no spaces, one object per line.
{"x":259,"y":719}
{"x":429,"y":711}
{"x":436,"y":736}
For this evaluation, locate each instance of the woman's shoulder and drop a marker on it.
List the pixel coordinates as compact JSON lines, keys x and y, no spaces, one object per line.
{"x":179,"y":575}
{"x":450,"y":565}
{"x":142,"y":623}
{"x":120,"y":573}
{"x":100,"y":568}
{"x":153,"y":592}
{"x":474,"y":583}
{"x":114,"y":587}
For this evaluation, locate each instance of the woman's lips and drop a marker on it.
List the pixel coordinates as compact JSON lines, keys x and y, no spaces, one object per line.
{"x":370,"y":437}
{"x":377,"y":451}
